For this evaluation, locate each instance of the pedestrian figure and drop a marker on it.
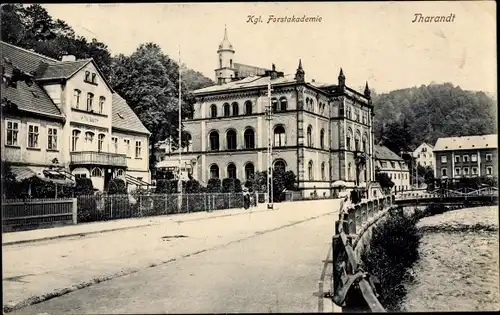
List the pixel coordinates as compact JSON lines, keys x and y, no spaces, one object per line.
{"x":246,"y":199}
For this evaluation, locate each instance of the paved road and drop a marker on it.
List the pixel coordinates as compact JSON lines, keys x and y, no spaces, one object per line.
{"x":271,"y":262}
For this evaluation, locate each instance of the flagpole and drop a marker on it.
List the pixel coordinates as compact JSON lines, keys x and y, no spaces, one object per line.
{"x":179,"y":183}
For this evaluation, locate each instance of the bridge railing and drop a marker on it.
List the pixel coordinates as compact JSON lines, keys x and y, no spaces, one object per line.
{"x":440,"y":193}
{"x":354,"y":221}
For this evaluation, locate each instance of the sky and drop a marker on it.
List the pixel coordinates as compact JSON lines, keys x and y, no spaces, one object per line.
{"x":372,"y":41}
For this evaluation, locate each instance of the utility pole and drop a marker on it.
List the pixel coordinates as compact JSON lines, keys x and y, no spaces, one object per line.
{"x":269,"y":117}
{"x":179,"y":182}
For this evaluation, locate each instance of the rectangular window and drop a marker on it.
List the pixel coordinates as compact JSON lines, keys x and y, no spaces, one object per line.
{"x":393,"y":165}
{"x":76,"y":98}
{"x":102,"y":99}
{"x":465,"y":158}
{"x":90,"y":100}
{"x":489,"y":170}
{"x":127,"y":147}
{"x":488,"y":157}
{"x":473,"y":158}
{"x":443,"y":159}
{"x":444,"y":172}
{"x":12,"y":132}
{"x":33,"y":132}
{"x":80,"y":175}
{"x":52,"y":138}
{"x":114,"y":144}
{"x":138,"y":149}
{"x":93,"y":77}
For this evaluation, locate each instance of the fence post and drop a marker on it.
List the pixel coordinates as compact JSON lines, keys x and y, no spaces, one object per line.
{"x":111,"y":203}
{"x":187,"y":203}
{"x":229,"y":202}
{"x":75,"y":211}
{"x":166,"y":204}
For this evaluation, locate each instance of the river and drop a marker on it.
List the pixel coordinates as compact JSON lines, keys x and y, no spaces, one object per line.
{"x":458,"y":266}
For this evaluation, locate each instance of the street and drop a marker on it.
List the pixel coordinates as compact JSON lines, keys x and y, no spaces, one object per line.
{"x":269,"y":261}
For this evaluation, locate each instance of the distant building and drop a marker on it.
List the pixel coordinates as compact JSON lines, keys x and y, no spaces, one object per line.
{"x":66,"y":111}
{"x":317,"y":130}
{"x":424,"y":156}
{"x":393,"y":165}
{"x":467,"y":156}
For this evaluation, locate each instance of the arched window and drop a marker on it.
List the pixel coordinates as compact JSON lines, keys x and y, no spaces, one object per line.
{"x":74,"y":139}
{"x":310,"y":170}
{"x":76,"y":98}
{"x":87,"y":76}
{"x":279,"y":136}
{"x":248,"y":107}
{"x":97,"y":172}
{"x":249,"y":171}
{"x":280,"y":165}
{"x":231,"y":139}
{"x":231,"y":170}
{"x":283,"y":104}
{"x":309,"y":136}
{"x":235,"y":107}
{"x":348,"y":111}
{"x":102,"y":100}
{"x":348,"y":139}
{"x":189,"y":143}
{"x":213,"y":111}
{"x":349,"y":170}
{"x":220,"y":63}
{"x":214,"y":141}
{"x":100,"y":142}
{"x":249,"y":136}
{"x":227,"y":110}
{"x":89,"y":140}
{"x":357,"y":140}
{"x":120,"y":173}
{"x":274,"y":104}
{"x":307,"y":103}
{"x":230,"y":63}
{"x":365,"y":139}
{"x":322,"y":138}
{"x":214,"y":171}
{"x":90,"y":100}
{"x":323,"y":175}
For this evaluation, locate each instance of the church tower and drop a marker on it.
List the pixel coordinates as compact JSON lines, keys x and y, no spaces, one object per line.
{"x":225,"y":71}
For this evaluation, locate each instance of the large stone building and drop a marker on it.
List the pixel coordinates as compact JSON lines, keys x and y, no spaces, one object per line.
{"x":394,"y":166}
{"x":467,"y":156}
{"x":64,"y":113}
{"x":319,"y":131}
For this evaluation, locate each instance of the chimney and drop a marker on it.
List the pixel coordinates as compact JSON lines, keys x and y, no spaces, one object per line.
{"x":68,"y":58}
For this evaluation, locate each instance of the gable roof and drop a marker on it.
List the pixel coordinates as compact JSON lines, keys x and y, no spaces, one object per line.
{"x":467,"y":143}
{"x":124,"y":117}
{"x":61,"y":70}
{"x":27,"y":98}
{"x":383,"y":153}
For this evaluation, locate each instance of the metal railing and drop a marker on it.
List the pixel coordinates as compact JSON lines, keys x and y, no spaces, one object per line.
{"x":98,"y":158}
{"x":353,"y":221}
{"x":23,"y":214}
{"x":439,"y":193}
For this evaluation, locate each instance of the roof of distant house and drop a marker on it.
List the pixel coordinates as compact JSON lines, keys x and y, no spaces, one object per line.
{"x":383,"y":153}
{"x":467,"y":143}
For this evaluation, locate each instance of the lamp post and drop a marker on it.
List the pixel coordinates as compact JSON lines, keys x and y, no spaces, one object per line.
{"x":269,"y":117}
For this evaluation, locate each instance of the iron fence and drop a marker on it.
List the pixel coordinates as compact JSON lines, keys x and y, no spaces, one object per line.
{"x":110,"y":207}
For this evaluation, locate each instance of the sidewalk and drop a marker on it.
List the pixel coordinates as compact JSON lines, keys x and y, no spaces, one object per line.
{"x":83,"y":229}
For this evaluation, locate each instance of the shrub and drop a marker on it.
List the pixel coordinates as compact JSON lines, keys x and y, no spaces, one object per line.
{"x":393,"y":249}
{"x":231,"y":185}
{"x":83,"y":186}
{"x":214,"y":185}
{"x":193,"y":186}
{"x":117,"y":186}
{"x":168,"y":186}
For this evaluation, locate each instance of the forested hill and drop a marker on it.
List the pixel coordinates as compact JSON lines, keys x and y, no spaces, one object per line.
{"x":406,"y":118}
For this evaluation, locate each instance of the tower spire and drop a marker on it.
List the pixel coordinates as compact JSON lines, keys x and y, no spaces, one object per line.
{"x":367,"y":90}
{"x":341,"y":78}
{"x":225,"y":32}
{"x":300,"y":73}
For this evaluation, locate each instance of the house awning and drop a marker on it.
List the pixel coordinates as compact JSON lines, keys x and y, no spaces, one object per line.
{"x":24,"y":172}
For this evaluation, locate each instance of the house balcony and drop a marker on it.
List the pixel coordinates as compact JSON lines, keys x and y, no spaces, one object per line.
{"x":98,"y":158}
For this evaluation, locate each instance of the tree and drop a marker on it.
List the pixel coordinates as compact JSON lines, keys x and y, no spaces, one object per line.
{"x":384,"y":180}
{"x":117,"y":186}
{"x":231,"y":185}
{"x":214,"y":185}
{"x":148,"y":80}
{"x":9,"y":182}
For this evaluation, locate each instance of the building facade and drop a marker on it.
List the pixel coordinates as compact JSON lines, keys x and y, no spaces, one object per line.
{"x":321,"y":132}
{"x":65,"y":114}
{"x":396,"y":168}
{"x":468,"y":156}
{"x":424,"y":155}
